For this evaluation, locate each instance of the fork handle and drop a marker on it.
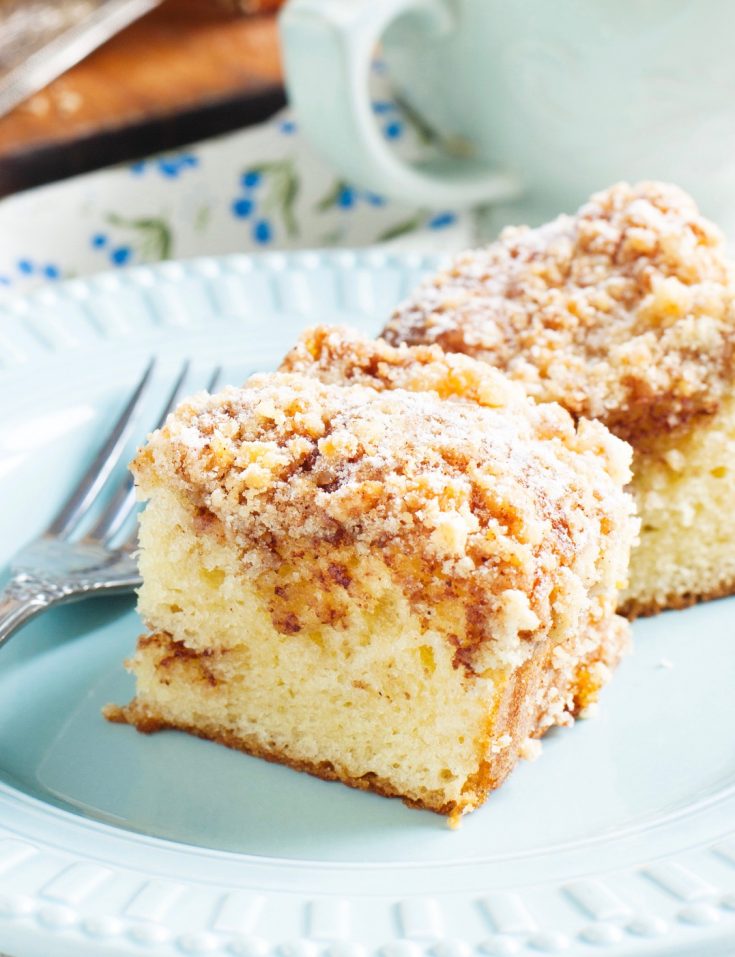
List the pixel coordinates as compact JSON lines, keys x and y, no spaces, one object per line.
{"x":22,"y":599}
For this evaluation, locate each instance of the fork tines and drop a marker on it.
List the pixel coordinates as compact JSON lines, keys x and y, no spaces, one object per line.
{"x":96,"y":479}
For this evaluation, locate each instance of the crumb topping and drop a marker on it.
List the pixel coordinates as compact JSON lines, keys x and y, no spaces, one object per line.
{"x":472,"y":496}
{"x":338,"y":354}
{"x":623,"y":312}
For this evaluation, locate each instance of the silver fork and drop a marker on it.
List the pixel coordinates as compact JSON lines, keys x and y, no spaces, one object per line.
{"x":60,"y":566}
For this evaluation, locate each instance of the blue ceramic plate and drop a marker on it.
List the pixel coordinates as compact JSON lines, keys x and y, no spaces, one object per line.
{"x":619,"y":839}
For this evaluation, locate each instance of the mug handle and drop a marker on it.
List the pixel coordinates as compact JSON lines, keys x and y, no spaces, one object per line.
{"x":328,"y":47}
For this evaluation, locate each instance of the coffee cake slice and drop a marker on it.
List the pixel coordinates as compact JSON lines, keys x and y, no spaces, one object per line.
{"x":383,"y":566}
{"x":624,"y":312}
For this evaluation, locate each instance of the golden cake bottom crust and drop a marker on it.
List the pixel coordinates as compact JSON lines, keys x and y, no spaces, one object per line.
{"x":537,"y":680}
{"x":635,"y":608}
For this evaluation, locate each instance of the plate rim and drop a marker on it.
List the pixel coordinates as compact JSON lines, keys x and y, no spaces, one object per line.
{"x":56,"y":917}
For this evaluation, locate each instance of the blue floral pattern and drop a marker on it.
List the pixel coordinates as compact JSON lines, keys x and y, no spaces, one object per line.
{"x":341,"y":195}
{"x":147,"y":239}
{"x":118,"y":255}
{"x":266,"y":198}
{"x":171,"y":165}
{"x":260,"y":188}
{"x":442,"y":220}
{"x":32,"y":268}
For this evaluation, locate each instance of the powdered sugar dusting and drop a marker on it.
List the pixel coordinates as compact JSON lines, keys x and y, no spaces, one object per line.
{"x":475,"y":497}
{"x":624,"y":312}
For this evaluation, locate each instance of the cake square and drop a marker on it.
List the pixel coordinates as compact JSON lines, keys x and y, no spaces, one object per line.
{"x":381,"y":565}
{"x":625,"y":313}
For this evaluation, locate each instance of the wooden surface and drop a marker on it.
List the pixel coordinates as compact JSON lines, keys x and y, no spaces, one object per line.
{"x":188,"y":70}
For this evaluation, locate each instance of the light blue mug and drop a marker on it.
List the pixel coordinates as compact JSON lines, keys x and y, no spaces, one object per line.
{"x":556,"y":97}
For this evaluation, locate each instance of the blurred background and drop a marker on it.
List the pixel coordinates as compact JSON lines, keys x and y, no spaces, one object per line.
{"x":133,"y":131}
{"x":182,"y":70}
